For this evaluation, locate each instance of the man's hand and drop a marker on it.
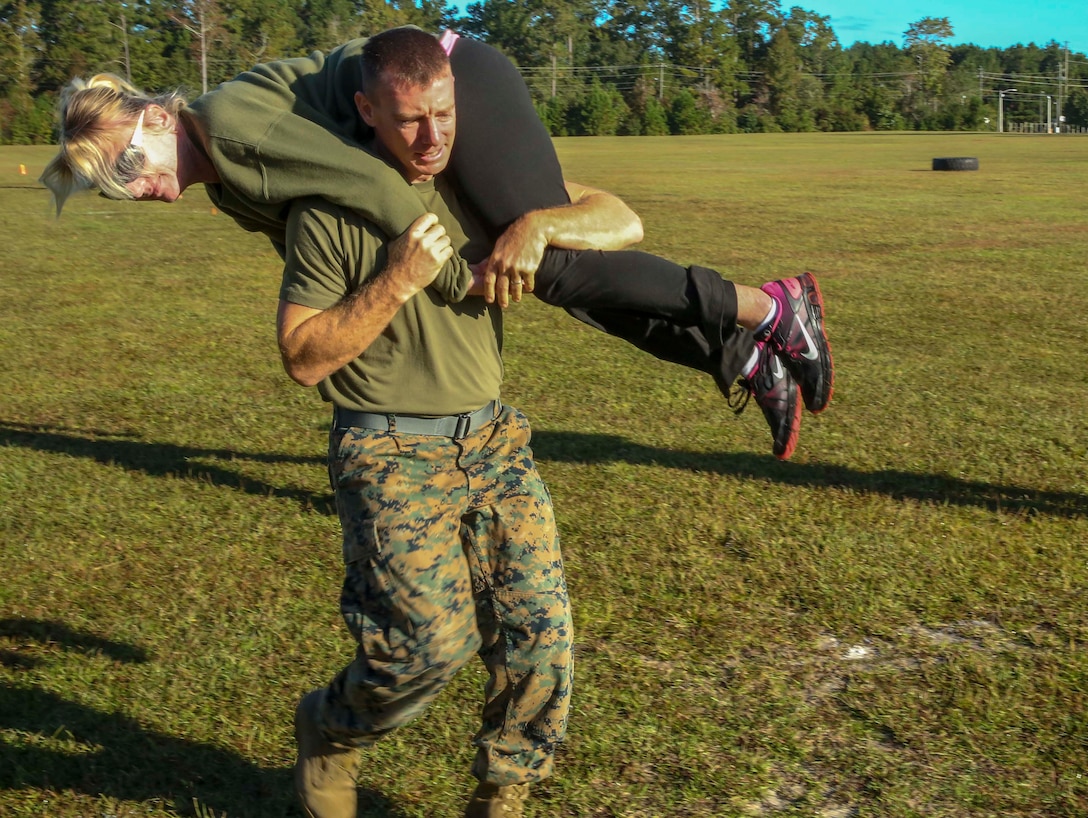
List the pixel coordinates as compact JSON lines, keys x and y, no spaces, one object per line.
{"x":416,"y":256}
{"x":511,"y":267}
{"x":316,"y":343}
{"x":594,"y":220}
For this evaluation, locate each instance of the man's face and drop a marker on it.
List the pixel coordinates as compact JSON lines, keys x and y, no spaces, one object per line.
{"x":415,"y":125}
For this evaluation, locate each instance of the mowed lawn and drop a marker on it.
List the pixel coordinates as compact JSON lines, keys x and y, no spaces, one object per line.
{"x":891,"y":624}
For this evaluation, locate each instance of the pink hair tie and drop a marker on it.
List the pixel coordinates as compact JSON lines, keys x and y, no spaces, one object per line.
{"x":447,"y":40}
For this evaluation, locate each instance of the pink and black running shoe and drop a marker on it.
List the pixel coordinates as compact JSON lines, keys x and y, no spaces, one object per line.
{"x":798,"y":336}
{"x":776,"y":393}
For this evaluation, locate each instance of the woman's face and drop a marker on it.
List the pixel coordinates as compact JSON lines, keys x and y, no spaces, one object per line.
{"x":156,"y":136}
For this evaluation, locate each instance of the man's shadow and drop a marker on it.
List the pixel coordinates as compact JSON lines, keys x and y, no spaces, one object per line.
{"x":166,"y":459}
{"x":63,"y":745}
{"x":577,"y":447}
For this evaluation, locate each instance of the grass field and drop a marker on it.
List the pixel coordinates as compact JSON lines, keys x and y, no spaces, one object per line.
{"x":891,"y":624}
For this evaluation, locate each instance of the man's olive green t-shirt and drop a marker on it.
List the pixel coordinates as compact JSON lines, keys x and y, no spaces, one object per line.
{"x":434,"y":358}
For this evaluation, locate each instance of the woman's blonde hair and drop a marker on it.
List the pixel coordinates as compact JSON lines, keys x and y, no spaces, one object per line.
{"x":92,"y":113}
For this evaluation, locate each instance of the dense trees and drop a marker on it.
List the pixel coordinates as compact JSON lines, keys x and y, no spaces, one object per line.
{"x":594,"y":66}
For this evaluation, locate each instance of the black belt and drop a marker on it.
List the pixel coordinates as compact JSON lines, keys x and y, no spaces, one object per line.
{"x":454,"y":426}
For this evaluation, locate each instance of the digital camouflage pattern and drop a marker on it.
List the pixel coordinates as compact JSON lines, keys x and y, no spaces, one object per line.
{"x":450,"y":549}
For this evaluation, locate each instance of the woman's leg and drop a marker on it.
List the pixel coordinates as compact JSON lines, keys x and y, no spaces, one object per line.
{"x":686,"y":346}
{"x":505,"y":163}
{"x":504,"y":159}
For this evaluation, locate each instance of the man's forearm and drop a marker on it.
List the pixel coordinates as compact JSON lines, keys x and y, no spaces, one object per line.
{"x":328,"y":340}
{"x":593,"y":221}
{"x":316,"y":343}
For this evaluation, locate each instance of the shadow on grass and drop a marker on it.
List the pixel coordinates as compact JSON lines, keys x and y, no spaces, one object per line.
{"x":164,"y":459}
{"x":52,"y":744}
{"x":575,"y":447}
{"x":55,"y":633}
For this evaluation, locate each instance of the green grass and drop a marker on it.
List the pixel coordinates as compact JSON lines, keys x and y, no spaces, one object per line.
{"x":891,"y":624}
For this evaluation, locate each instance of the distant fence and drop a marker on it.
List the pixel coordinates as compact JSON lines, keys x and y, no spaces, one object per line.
{"x":1040,"y":127}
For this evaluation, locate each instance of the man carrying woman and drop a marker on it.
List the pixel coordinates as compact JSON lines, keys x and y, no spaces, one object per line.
{"x":289,"y":128}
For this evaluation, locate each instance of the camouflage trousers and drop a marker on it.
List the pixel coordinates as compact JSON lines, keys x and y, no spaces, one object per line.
{"x":450,"y":549}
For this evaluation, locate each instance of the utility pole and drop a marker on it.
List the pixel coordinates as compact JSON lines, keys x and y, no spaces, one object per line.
{"x":1063,"y":73}
{"x":1001,"y":108}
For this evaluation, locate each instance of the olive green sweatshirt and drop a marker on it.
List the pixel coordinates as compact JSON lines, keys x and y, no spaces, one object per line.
{"x":289,"y":129}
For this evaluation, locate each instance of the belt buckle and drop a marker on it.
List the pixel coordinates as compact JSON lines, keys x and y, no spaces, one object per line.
{"x":463,"y":427}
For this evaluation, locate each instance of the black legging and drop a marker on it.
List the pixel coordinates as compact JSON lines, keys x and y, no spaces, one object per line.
{"x":506,"y":165}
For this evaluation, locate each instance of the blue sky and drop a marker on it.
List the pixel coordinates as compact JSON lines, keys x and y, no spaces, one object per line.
{"x":988,"y":23}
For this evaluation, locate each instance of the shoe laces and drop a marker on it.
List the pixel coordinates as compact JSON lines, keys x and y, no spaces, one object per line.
{"x":739,"y":395}
{"x":742,"y":391}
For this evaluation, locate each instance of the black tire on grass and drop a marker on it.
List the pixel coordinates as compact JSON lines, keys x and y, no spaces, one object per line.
{"x":956,"y":163}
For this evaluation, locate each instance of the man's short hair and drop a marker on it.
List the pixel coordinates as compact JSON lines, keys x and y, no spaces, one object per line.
{"x":404,"y":56}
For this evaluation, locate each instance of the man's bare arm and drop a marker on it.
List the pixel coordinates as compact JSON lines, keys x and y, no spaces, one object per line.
{"x":315,"y":343}
{"x":594,"y":220}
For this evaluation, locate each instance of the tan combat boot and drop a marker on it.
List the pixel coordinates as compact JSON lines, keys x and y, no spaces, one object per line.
{"x":324,"y":773}
{"x":490,"y":801}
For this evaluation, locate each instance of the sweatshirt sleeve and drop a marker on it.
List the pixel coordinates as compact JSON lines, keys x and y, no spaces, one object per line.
{"x":345,"y":174}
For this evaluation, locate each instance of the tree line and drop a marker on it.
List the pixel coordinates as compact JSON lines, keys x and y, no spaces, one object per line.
{"x":595,"y":67}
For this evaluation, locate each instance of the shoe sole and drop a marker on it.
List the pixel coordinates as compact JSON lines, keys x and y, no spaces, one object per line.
{"x":795,"y":433}
{"x":827,"y":344}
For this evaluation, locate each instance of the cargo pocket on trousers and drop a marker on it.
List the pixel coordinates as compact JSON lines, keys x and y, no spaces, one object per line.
{"x":368,"y":602}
